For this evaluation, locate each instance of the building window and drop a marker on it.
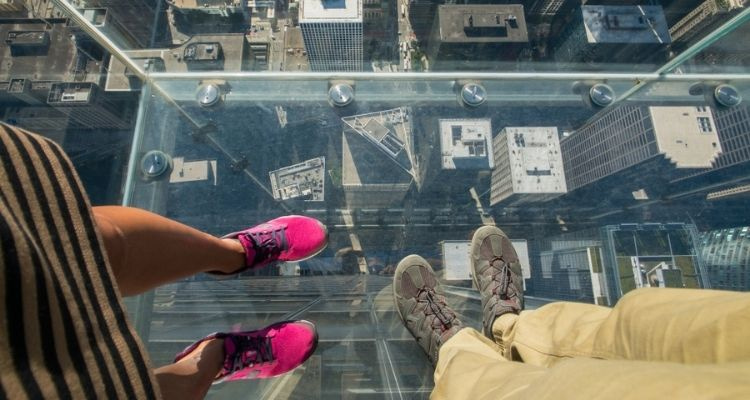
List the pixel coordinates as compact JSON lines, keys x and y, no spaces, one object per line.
{"x":704,"y":124}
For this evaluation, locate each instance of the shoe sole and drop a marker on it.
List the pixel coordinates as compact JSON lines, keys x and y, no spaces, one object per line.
{"x":476,"y":243}
{"x":400,"y":266}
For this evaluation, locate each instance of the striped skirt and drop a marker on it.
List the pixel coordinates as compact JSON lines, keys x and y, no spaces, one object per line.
{"x":64,"y":330}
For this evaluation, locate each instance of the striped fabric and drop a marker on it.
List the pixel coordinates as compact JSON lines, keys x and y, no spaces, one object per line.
{"x":64,"y":330}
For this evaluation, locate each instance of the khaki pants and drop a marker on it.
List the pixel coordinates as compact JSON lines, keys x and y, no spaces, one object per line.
{"x":655,"y":343}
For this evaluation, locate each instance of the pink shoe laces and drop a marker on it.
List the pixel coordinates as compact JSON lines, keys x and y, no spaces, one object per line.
{"x":248,"y":352}
{"x":267,"y":243}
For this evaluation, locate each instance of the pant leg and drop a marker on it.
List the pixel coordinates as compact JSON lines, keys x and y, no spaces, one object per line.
{"x":677,"y":325}
{"x":470,"y":366}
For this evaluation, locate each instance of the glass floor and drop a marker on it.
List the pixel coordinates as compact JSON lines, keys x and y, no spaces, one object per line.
{"x":610,"y":141}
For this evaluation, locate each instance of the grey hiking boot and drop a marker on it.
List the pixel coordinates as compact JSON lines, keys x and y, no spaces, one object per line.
{"x":422,"y":307}
{"x":496,"y":272}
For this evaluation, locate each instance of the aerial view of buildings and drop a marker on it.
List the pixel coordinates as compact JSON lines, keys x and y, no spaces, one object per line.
{"x":646,"y":186}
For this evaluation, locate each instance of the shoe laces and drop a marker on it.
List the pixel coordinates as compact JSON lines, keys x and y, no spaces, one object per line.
{"x":250,"y":351}
{"x":436,"y":307}
{"x":268,"y":244}
{"x":501,"y":276}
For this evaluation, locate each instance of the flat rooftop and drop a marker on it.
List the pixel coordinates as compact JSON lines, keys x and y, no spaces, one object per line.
{"x":330,"y":10}
{"x":536,"y":162}
{"x":687,"y":136}
{"x":187,"y":4}
{"x":303,"y":180}
{"x":466,"y":143}
{"x":625,"y":24}
{"x":482,"y":23}
{"x":53,"y":60}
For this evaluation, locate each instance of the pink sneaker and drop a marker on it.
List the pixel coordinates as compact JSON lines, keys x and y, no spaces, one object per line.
{"x":265,"y":353}
{"x":289,"y":238}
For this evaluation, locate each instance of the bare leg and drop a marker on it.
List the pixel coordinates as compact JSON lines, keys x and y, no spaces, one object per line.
{"x":191,"y":377}
{"x":147,"y":250}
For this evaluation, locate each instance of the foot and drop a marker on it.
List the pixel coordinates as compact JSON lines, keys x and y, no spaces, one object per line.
{"x":265,"y":353}
{"x":497,"y":274}
{"x":290,"y":238}
{"x":422,"y":307}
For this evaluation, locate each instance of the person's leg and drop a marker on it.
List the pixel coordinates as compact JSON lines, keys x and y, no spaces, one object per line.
{"x":147,"y":250}
{"x":264,"y":353}
{"x":553,"y":332}
{"x":191,"y":377}
{"x":654,"y":324}
{"x":470,"y":366}
{"x":678,"y":325}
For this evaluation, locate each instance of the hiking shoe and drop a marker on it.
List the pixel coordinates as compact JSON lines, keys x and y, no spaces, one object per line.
{"x":265,"y":353}
{"x":496,"y":272}
{"x":290,"y":238}
{"x":422,"y":307}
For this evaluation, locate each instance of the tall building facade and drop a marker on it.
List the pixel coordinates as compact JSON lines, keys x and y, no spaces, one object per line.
{"x":332,"y":32}
{"x":635,"y":143}
{"x":11,"y":5}
{"x":528,"y":166}
{"x":546,"y":7}
{"x":704,"y":18}
{"x":377,"y":158}
{"x":726,"y":255}
{"x":136,"y":16}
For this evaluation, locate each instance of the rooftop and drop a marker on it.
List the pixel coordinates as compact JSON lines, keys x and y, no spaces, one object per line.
{"x":466,"y":143}
{"x":536,"y":160}
{"x":625,"y":24}
{"x":303,"y":180}
{"x":686,"y":135}
{"x":390,"y":132}
{"x":41,"y":52}
{"x":206,"y":3}
{"x":330,"y":10}
{"x":482,"y":23}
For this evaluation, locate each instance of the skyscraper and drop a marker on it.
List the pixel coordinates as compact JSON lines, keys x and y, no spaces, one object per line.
{"x":466,"y":144}
{"x":651,"y":255}
{"x":704,"y":18}
{"x":332,"y":32}
{"x":614,"y":34}
{"x":546,"y":7}
{"x":726,"y":255}
{"x":11,"y":5}
{"x":136,"y":16}
{"x":637,"y":147}
{"x":377,"y":157}
{"x":528,"y":166}
{"x":88,"y":105}
{"x":54,"y":73}
{"x":464,"y":35}
{"x":733,"y":127}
